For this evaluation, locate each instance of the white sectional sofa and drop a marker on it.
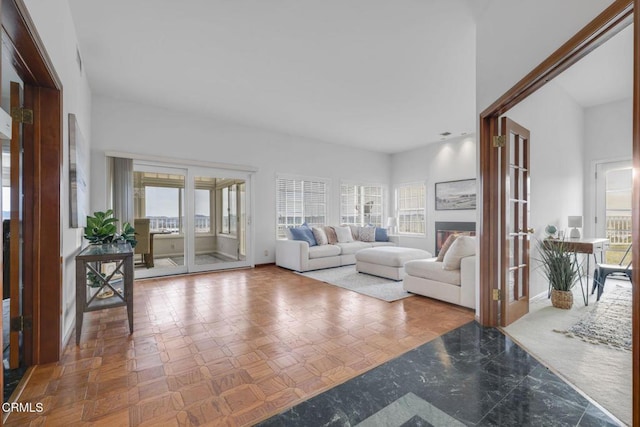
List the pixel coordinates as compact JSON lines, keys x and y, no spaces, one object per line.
{"x":452,"y":280}
{"x":300,"y":256}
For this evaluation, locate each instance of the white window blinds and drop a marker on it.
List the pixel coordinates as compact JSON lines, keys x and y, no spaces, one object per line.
{"x":411,"y":204}
{"x":361,"y":204}
{"x":300,"y":200}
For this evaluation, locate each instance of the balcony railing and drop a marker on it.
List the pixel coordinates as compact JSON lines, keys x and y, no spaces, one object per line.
{"x":618,"y":230}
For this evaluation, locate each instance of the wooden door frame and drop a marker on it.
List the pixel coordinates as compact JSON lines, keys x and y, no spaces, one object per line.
{"x":596,"y":32}
{"x":42,"y":297}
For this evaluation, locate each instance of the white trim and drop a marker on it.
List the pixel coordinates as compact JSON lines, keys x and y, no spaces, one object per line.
{"x":186,"y":162}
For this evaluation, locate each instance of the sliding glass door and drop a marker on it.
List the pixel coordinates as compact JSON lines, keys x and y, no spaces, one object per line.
{"x":189,"y":219}
{"x":159,"y":219}
{"x":219,"y":219}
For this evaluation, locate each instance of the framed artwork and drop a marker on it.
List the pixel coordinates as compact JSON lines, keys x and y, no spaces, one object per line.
{"x":78,"y":195}
{"x":456,"y":195}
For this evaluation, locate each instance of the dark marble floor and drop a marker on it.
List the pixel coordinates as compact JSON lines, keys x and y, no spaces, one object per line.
{"x":472,"y":376}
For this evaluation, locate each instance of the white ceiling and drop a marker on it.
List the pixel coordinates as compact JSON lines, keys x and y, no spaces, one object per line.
{"x":603,"y":76}
{"x":386,"y":75}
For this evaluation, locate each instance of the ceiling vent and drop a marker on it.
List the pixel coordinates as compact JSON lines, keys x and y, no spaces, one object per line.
{"x":445,"y":134}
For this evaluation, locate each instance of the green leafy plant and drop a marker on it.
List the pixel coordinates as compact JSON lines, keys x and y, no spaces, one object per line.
{"x":557,"y":264}
{"x":101,"y":228}
{"x":128,"y":234}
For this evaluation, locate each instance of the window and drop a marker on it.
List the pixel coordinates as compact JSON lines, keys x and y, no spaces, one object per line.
{"x":410,"y":208}
{"x":202,"y":210}
{"x":300,"y":200}
{"x":162,"y":207}
{"x":159,"y":197}
{"x":230,"y":209}
{"x":361,"y":204}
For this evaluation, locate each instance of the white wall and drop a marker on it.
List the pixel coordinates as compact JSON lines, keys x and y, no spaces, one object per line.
{"x":450,"y":160}
{"x":56,"y":29}
{"x":608,"y":137}
{"x":147,"y":130}
{"x":556,"y":123}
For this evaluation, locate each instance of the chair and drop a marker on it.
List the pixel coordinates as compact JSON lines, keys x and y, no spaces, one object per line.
{"x":141,"y":225}
{"x":603,"y":270}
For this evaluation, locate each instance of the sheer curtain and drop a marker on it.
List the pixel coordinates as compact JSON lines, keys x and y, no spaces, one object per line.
{"x":122,"y":189}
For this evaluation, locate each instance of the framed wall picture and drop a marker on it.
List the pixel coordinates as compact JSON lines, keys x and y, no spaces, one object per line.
{"x":456,"y":195}
{"x":78,"y":191}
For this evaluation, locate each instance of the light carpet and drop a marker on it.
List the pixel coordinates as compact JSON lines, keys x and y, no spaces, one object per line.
{"x":599,"y":371}
{"x":609,"y":322}
{"x":348,"y":278}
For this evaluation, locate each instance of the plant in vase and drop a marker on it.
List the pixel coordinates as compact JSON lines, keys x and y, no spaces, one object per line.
{"x":560,"y":270}
{"x":101,"y":229}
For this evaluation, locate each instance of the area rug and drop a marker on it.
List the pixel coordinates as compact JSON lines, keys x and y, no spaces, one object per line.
{"x":348,"y":278}
{"x":609,"y":322}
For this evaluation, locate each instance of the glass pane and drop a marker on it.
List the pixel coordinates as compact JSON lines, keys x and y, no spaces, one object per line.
{"x":618,"y":194}
{"x":159,"y":219}
{"x":224,"y":242}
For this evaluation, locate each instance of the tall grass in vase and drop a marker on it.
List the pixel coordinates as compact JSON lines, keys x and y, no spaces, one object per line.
{"x":560,"y":269}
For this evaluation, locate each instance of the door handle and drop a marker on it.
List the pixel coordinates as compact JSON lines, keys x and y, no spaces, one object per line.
{"x":529,"y":230}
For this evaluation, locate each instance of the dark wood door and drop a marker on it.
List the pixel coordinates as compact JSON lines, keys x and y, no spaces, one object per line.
{"x":15,"y":231}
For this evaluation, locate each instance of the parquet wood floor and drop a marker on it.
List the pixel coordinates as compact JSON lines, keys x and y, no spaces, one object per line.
{"x":225,"y":348}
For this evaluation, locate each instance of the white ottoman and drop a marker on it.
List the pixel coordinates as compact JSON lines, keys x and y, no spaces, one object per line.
{"x":387,"y":261}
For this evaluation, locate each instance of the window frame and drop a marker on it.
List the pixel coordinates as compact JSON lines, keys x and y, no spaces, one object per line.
{"x":396,"y":208}
{"x":302,"y":179}
{"x":383,"y":203}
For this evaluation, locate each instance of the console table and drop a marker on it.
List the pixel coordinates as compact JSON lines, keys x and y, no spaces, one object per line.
{"x":102,"y":270}
{"x":587,"y":246}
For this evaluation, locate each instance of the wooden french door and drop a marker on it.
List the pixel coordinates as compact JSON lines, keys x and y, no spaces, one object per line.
{"x":515,"y":226}
{"x":15,"y":258}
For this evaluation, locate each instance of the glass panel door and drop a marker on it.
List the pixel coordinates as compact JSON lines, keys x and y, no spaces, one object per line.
{"x":159,"y":220}
{"x":614,"y":184}
{"x":219,"y":211}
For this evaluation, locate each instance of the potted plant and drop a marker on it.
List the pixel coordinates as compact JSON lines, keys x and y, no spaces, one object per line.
{"x":101,"y":228}
{"x":559,"y":268}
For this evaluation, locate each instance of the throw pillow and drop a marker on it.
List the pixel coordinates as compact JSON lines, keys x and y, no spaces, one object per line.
{"x":320,"y":236}
{"x":304,"y":234}
{"x":332,"y":239}
{"x":445,"y":247}
{"x":287,"y":233}
{"x":355,"y":232}
{"x":368,"y":234}
{"x":381,"y":235}
{"x":462,"y":247}
{"x":344,"y":234}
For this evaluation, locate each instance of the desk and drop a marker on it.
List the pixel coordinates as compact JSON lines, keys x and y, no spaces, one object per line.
{"x":90,"y":262}
{"x":587,"y":246}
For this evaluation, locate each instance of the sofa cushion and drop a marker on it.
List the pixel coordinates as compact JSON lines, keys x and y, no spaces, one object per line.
{"x":355,"y":231}
{"x":376,"y":244}
{"x":445,"y":247}
{"x":391,"y":256}
{"x":344,"y":234}
{"x":320,"y":236}
{"x":367,"y":234}
{"x":352,"y":247}
{"x":432,"y":270}
{"x":323,"y":251}
{"x":462,"y":247}
{"x":304,"y":234}
{"x":331,"y":235}
{"x":381,"y":235}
